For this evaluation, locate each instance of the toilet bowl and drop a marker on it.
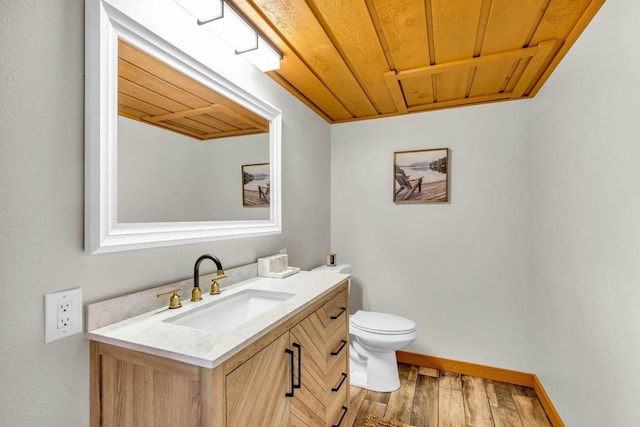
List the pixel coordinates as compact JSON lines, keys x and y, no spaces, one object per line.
{"x":374,"y":338}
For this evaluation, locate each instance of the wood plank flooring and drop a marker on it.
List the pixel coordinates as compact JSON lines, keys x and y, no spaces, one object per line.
{"x":428,"y":397}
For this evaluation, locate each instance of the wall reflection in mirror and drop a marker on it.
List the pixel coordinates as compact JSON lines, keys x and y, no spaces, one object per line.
{"x":181,"y":146}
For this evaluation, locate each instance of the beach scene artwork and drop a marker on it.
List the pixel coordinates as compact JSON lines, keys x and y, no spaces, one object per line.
{"x":421,"y":176}
{"x":255,"y":185}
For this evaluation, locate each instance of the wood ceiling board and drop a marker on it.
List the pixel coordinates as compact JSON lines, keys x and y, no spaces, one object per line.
{"x":559,"y":19}
{"x":179,"y":114}
{"x":460,"y":102}
{"x":452,"y":85}
{"x":309,"y":88}
{"x":137,"y":104}
{"x":180,"y":129}
{"x":295,"y":92}
{"x":130,"y":113}
{"x":242,"y":121}
{"x":349,"y":26}
{"x":230,"y":133}
{"x":403,"y":24}
{"x":164,"y":73}
{"x":134,"y":90}
{"x":216,"y":123}
{"x":199,"y":124}
{"x":492,"y":78}
{"x":294,"y":75}
{"x":516,"y":74}
{"x":455,"y":26}
{"x":156,"y":84}
{"x":580,"y":26}
{"x":395,"y":90}
{"x":418,"y":91}
{"x":193,"y":124}
{"x":534,"y":67}
{"x":508,"y":27}
{"x":465,"y":64}
{"x":510,"y":24}
{"x":297,"y":23}
{"x":198,"y":118}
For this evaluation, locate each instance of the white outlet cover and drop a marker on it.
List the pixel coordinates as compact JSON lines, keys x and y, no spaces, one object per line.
{"x":73,"y":297}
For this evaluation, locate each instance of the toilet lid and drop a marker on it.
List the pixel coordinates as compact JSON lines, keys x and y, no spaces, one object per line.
{"x":382,"y":323}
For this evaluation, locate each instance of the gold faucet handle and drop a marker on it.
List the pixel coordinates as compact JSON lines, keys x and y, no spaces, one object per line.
{"x":215,"y":287}
{"x":174,"y":300}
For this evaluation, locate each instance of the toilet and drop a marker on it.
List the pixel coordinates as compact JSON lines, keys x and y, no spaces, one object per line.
{"x":374,"y":338}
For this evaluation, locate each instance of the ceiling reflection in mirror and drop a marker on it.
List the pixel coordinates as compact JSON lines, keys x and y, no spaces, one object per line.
{"x":181,"y":146}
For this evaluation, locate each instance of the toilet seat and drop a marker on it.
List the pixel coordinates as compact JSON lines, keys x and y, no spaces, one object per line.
{"x":381,"y":323}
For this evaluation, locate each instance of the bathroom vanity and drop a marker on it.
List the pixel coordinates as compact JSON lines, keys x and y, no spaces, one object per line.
{"x":287,"y":365}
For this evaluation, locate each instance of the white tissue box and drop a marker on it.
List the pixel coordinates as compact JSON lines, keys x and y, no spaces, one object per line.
{"x":276,"y":266}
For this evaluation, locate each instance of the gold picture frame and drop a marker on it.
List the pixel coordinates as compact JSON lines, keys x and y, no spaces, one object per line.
{"x":256,"y":185}
{"x":421,"y":176}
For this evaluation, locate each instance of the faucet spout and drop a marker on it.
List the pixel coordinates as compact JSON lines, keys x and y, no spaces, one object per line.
{"x":196,"y":293}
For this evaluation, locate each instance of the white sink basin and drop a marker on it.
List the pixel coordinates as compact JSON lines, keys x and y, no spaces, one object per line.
{"x":230,"y":312}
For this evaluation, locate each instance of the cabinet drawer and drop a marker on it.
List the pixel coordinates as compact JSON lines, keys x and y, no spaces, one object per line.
{"x":337,"y":381}
{"x":337,"y":355}
{"x":336,"y":310}
{"x":337,"y":412}
{"x":335,"y":318}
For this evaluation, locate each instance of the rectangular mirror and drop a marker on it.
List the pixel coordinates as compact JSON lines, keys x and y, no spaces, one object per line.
{"x":166,"y":141}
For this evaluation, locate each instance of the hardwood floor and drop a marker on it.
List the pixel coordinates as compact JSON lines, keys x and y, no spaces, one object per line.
{"x":431,"y":398}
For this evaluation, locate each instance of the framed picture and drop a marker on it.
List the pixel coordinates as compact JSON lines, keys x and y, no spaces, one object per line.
{"x":255,"y":185}
{"x":421,"y":176}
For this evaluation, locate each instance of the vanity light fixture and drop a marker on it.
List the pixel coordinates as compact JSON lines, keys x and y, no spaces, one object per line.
{"x":228,"y":23}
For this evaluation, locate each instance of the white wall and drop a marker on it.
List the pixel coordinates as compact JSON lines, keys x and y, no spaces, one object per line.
{"x":166,"y":176}
{"x":460,"y":270}
{"x":41,"y":207}
{"x":587,"y":229}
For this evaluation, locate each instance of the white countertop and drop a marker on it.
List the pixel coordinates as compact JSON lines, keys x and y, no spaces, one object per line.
{"x":150,"y":333}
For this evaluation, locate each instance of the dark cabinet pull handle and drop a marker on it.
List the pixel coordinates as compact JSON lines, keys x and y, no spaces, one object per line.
{"x":290,"y":353}
{"x":335,"y":316}
{"x":344,"y":412}
{"x":296,"y":345}
{"x":344,"y":377}
{"x":335,"y":353}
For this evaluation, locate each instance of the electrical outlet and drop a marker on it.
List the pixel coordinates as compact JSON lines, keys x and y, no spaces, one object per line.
{"x":62,"y":314}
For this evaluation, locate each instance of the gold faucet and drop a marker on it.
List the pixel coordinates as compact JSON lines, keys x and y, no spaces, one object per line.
{"x":215,"y":287}
{"x":174,"y":300}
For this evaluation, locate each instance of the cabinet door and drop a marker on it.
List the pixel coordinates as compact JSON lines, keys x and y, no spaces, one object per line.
{"x":255,"y":391}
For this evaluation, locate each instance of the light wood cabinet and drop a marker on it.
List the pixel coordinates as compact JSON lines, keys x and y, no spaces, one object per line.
{"x":252,"y":388}
{"x":296,"y":375}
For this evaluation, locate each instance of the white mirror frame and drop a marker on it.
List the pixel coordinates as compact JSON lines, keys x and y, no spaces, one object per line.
{"x":104,"y":25}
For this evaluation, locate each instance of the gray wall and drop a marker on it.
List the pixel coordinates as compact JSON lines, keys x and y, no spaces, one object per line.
{"x":460,"y":270}
{"x":587,"y":229}
{"x":41,"y":214}
{"x":166,"y":176}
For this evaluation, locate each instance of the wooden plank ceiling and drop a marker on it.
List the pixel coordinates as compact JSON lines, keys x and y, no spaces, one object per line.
{"x":152,"y":92}
{"x":364,"y":59}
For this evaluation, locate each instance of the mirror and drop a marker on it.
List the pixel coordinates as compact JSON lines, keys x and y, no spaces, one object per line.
{"x":167,"y":164}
